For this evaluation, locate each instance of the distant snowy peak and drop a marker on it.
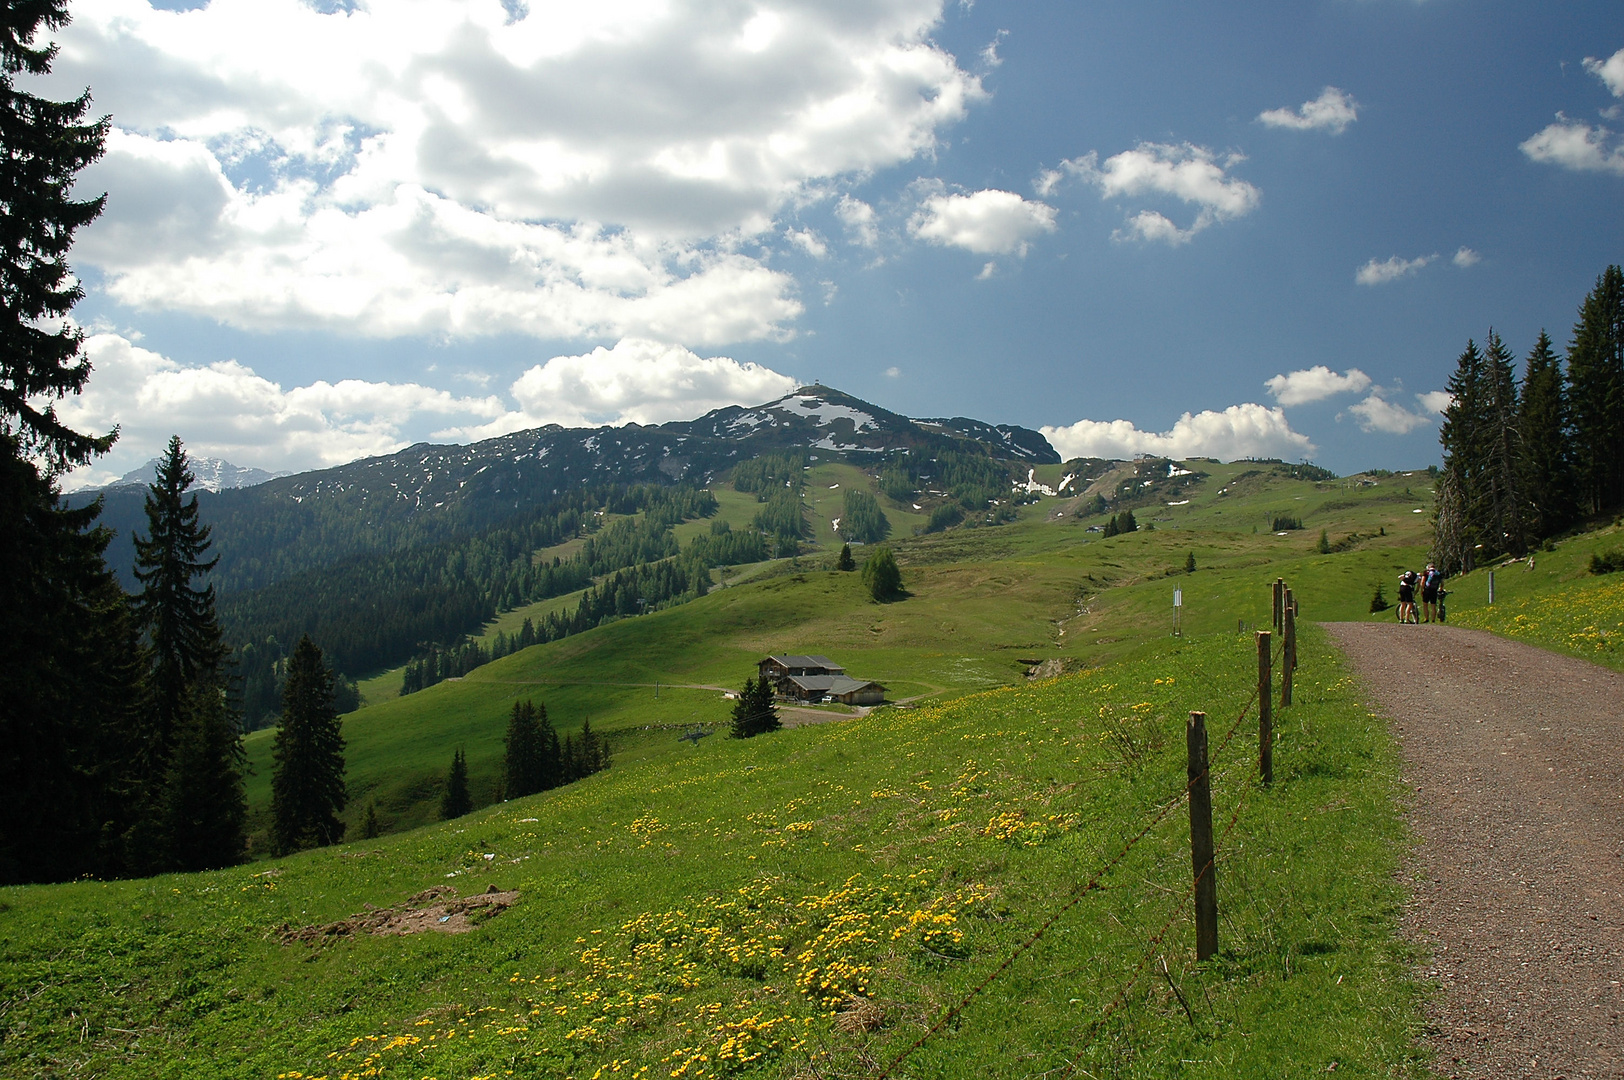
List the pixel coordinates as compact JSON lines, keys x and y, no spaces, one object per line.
{"x":212,"y":475}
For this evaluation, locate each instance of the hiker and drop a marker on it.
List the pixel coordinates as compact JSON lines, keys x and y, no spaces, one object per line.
{"x":1431,"y":582}
{"x":1407,"y":582}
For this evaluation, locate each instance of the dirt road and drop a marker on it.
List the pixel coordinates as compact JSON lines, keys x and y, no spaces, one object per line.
{"x":1515,"y":761}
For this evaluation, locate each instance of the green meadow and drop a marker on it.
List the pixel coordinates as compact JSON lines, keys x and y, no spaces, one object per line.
{"x":808,"y":903}
{"x":985,"y":605}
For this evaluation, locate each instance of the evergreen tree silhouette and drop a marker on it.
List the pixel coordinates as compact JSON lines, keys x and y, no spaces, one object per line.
{"x":307,"y":786}
{"x":456,"y":801}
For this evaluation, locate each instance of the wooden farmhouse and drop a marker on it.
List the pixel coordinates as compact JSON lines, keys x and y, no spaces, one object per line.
{"x":815,"y":679}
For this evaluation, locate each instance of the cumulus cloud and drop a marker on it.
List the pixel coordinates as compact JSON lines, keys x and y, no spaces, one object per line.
{"x":1380,"y":273}
{"x":227,"y":410}
{"x":1570,"y":144}
{"x":808,"y":241}
{"x":1466,"y":257}
{"x":1435,"y":401}
{"x":1332,"y":111}
{"x":989,"y":222}
{"x":1315,"y":384}
{"x":1239,"y":431}
{"x":1378,"y":414}
{"x":1610,"y":71}
{"x":859,"y":219}
{"x":1193,"y":175}
{"x":637,"y":381}
{"x":446,"y":167}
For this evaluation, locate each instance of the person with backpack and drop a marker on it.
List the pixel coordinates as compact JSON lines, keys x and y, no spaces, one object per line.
{"x":1431,"y":582}
{"x":1407,"y":582}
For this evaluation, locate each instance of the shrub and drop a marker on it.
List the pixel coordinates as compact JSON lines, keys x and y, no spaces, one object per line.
{"x":1606,"y":562}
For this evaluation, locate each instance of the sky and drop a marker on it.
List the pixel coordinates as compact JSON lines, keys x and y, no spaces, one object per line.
{"x":1233,"y":229}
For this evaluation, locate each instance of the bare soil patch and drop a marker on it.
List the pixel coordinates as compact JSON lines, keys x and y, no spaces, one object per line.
{"x":1515,"y":761}
{"x":438,"y":910}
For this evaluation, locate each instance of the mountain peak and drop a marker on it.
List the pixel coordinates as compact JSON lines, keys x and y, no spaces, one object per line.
{"x":212,"y":474}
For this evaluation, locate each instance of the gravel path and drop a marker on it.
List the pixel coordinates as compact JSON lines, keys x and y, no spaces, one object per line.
{"x":1515,"y":758}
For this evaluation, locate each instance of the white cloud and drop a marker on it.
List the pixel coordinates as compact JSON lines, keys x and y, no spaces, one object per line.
{"x":1378,"y":414}
{"x":1193,"y":175}
{"x":989,"y":53}
{"x":1466,"y":257}
{"x":1332,"y":111}
{"x":808,"y":241}
{"x":1380,"y":273}
{"x":1239,"y":431}
{"x":1435,"y":401}
{"x":989,"y":222}
{"x":1576,"y":146}
{"x":227,"y":410}
{"x":637,"y":381}
{"x":436,"y":166}
{"x":1315,"y":384}
{"x":893,"y":373}
{"x":1610,"y":71}
{"x":859,"y":219}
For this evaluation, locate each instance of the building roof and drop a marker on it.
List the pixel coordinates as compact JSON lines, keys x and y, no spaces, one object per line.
{"x":830,"y":684}
{"x":793,"y":661}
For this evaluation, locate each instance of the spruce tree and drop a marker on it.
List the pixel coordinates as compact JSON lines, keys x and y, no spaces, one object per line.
{"x":1596,"y":395}
{"x":550,"y":754}
{"x":524,"y":753}
{"x":307,"y":784}
{"x":1546,"y":461}
{"x":882,"y":575}
{"x":188,"y":682}
{"x":70,"y":677}
{"x":43,"y":146}
{"x":1460,"y":481}
{"x":456,"y":801}
{"x":178,"y":617}
{"x":764,"y":714}
{"x":845,"y":562}
{"x":371,"y":827}
{"x":1502,"y":507}
{"x":204,"y":809}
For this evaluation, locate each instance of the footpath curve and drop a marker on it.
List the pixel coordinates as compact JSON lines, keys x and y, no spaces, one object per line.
{"x":1514,"y":759}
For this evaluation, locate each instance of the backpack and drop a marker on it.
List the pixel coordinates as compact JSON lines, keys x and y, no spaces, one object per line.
{"x":1433,"y":579}
{"x":1408,"y":578}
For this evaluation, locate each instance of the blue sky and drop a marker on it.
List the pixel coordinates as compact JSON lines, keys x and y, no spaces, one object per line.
{"x":333,"y":234}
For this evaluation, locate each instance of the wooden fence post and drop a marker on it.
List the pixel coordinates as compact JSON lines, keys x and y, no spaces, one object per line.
{"x":1288,"y":656}
{"x":1279,"y":599}
{"x":1202,"y":863}
{"x":1265,"y":709}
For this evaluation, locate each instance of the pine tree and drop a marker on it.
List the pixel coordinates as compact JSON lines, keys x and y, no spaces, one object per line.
{"x":204,"y":809}
{"x":70,"y":678}
{"x":593,"y":751}
{"x":43,"y":146}
{"x":764,"y":714}
{"x":1324,"y":545}
{"x":307,"y":784}
{"x":845,"y":562}
{"x":1112,"y":528}
{"x":754,"y":713}
{"x":371,"y":827}
{"x":189,"y":699}
{"x":1543,"y":420}
{"x":1189,"y":563}
{"x":456,"y":801}
{"x":179,"y":619}
{"x":1460,"y":481}
{"x":1596,"y":395}
{"x":1502,"y":510}
{"x":882,"y":575}
{"x":550,"y":754}
{"x":524,"y":753}
{"x":73,"y":780}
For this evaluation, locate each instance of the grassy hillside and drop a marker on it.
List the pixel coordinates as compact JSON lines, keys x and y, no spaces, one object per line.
{"x":1556,"y":603}
{"x":803,"y":904}
{"x":985,"y":604}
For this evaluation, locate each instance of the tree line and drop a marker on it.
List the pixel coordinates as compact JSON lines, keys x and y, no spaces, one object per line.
{"x":373,"y":611}
{"x":1527,"y":459}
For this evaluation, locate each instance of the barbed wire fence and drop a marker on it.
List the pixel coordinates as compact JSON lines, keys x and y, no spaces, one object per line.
{"x":1273,"y":655}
